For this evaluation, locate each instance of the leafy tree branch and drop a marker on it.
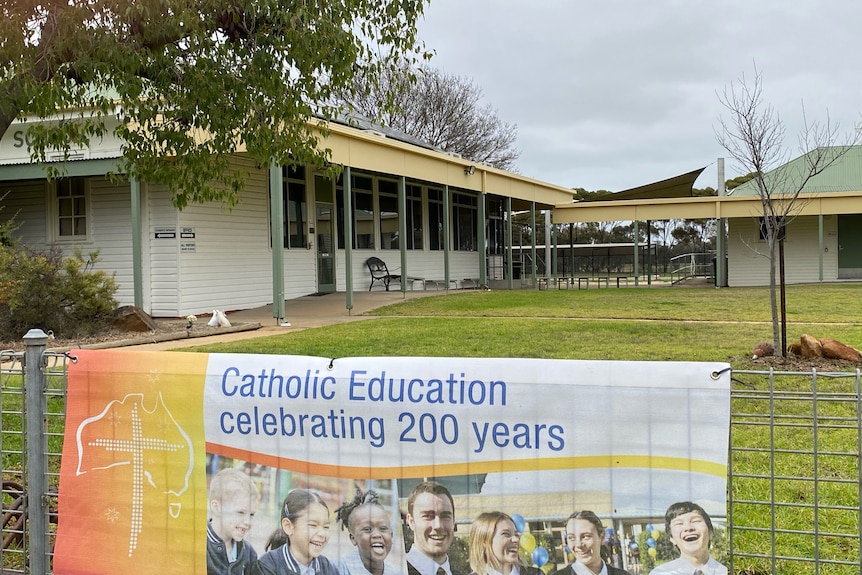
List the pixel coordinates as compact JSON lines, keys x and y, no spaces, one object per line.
{"x":183,"y":84}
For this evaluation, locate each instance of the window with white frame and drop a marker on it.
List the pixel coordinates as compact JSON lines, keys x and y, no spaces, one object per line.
{"x":71,"y":206}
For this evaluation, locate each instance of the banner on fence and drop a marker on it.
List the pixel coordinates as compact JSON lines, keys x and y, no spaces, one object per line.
{"x":149,"y":435}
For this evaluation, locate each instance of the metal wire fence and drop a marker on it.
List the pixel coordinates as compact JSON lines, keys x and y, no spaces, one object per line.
{"x":793,"y":484}
{"x":794,"y":495}
{"x":32,"y":416}
{"x":12,"y":448}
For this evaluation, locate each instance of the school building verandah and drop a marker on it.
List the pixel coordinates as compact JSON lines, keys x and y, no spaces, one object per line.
{"x":813,"y":243}
{"x":295,"y":231}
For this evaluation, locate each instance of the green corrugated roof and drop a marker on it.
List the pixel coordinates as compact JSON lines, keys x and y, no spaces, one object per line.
{"x":845,"y":175}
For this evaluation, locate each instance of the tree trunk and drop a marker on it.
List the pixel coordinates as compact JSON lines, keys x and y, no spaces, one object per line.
{"x":783,"y":299}
{"x":773,"y":297}
{"x":10,"y":94}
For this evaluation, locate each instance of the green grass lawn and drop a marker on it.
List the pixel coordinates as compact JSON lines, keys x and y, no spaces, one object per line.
{"x":668,"y":324}
{"x":662,"y":324}
{"x":655,"y":340}
{"x":808,"y":304}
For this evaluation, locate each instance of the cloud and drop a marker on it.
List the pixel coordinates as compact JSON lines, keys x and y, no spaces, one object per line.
{"x":612,"y":95}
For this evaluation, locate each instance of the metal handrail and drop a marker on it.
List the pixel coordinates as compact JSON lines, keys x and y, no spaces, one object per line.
{"x":692,"y":265}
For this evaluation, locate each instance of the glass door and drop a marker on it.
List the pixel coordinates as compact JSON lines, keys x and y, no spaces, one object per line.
{"x":325,"y":233}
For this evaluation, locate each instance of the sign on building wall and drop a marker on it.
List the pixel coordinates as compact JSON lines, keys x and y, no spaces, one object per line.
{"x":15,"y":143}
{"x":147,"y":433}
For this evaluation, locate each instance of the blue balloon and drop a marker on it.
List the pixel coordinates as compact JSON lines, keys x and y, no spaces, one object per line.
{"x":519,"y":522}
{"x":540,"y":556}
{"x":649,"y":527}
{"x":633,"y":545}
{"x":650,"y":541}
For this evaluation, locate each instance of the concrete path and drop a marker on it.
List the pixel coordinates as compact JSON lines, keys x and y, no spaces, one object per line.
{"x":302,"y":313}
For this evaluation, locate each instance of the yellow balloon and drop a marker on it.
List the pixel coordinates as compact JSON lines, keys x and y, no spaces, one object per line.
{"x":652,"y":552}
{"x":528,"y":543}
{"x":655,"y":533}
{"x":548,"y":568}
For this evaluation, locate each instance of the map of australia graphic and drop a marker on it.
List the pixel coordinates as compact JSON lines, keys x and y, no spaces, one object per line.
{"x":141,"y":434}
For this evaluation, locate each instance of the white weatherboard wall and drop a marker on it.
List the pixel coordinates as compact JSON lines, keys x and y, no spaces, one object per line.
{"x":227,"y":265}
{"x":300,"y":273}
{"x":111,"y":233}
{"x":25,"y":202}
{"x":223,"y":262}
{"x":161,"y":258}
{"x":749,"y":266}
{"x":30,"y":203}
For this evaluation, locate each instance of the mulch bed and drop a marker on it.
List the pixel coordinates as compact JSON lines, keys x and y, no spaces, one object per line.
{"x":793,"y":363}
{"x":166,"y":329}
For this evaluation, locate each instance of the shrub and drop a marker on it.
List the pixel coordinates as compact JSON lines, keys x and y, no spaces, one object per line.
{"x":47,"y":290}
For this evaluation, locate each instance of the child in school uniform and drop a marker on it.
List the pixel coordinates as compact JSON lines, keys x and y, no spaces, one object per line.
{"x":233,"y":501}
{"x":295,"y":547}
{"x":690,"y":529}
{"x":370,"y":529}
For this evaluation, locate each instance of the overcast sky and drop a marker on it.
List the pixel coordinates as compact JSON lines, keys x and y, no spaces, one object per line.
{"x":613,"y":94}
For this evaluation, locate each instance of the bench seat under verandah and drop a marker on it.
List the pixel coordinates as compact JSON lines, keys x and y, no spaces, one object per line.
{"x":380,"y":274}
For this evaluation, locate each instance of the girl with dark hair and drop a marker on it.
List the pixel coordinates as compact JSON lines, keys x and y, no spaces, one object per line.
{"x":584,"y":536}
{"x":295,"y":548}
{"x":370,"y":530}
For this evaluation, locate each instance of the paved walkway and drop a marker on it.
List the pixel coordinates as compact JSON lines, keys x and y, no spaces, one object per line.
{"x":302,"y":313}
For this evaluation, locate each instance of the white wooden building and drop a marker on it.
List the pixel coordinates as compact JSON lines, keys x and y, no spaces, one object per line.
{"x":286,"y":237}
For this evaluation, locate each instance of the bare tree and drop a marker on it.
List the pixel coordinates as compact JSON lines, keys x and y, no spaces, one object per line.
{"x":441,"y":109}
{"x":754,"y":137}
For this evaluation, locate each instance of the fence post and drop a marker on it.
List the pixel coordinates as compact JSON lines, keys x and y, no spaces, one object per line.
{"x":36,"y":383}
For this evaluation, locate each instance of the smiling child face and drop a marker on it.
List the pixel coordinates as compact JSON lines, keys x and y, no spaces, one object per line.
{"x":585,"y":542}
{"x":232,"y":517}
{"x":371,"y":532}
{"x":308,"y":533}
{"x":690,"y":533}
